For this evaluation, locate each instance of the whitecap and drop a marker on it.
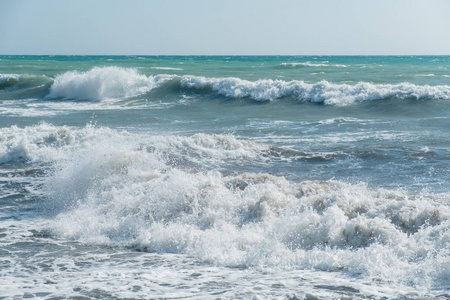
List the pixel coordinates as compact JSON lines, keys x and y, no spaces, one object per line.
{"x":426,"y":75}
{"x":167,"y":68}
{"x":321,"y":92}
{"x":102,"y":83}
{"x":313,"y":64}
{"x":150,"y":199}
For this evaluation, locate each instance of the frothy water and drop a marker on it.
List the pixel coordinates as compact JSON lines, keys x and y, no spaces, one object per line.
{"x":322,"y":92}
{"x":103,"y":83}
{"x":312,"y":64}
{"x":204,"y":183}
{"x":146,"y":200}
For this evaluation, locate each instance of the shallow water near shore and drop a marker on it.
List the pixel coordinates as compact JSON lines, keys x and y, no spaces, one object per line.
{"x":229,"y":177}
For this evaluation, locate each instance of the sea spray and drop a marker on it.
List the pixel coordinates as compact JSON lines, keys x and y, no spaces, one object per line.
{"x":139,"y":196}
{"x":104,"y":83}
{"x":238,"y":177}
{"x":321,"y":92}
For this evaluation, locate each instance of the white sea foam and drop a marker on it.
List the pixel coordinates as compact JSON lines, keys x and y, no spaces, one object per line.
{"x":312,"y":64}
{"x":322,"y":92}
{"x":119,"y":83}
{"x":23,"y":80}
{"x":104,"y":83}
{"x":253,"y":219}
{"x":8,"y":77}
{"x":426,"y":75}
{"x":27,"y":112}
{"x":167,"y":68}
{"x":340,"y":120}
{"x":46,"y":143}
{"x":161,"y":194}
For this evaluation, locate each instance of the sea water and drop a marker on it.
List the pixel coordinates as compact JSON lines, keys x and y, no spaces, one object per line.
{"x":295,"y":177}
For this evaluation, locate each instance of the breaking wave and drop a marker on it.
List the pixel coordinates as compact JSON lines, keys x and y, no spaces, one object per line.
{"x":167,"y":68}
{"x":153,"y":201}
{"x":165,"y":194}
{"x":104,"y":83}
{"x":20,"y":81}
{"x":45,"y":143}
{"x":312,"y":64}
{"x":19,"y":86}
{"x":8,"y":80}
{"x":321,"y":92}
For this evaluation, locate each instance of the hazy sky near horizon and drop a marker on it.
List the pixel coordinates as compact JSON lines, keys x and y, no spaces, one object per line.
{"x":225,"y":27}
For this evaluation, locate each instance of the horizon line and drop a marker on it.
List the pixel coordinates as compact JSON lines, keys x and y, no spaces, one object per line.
{"x":223,"y":55}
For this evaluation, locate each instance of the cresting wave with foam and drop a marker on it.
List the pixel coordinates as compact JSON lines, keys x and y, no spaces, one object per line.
{"x":162,"y":194}
{"x":16,"y":82}
{"x":224,"y":175}
{"x":104,"y":83}
{"x":8,"y":78}
{"x":321,"y":92}
{"x":101,"y":83}
{"x":45,"y":143}
{"x":312,"y":64}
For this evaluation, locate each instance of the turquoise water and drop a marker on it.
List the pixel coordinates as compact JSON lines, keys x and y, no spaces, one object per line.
{"x":270,"y":177}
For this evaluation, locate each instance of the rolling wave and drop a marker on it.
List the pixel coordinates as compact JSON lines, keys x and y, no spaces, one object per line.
{"x":19,"y":86}
{"x":321,"y":92}
{"x":312,"y":64}
{"x":114,"y":188}
{"x":104,"y":83}
{"x":8,"y":80}
{"x":20,"y":81}
{"x":101,"y":83}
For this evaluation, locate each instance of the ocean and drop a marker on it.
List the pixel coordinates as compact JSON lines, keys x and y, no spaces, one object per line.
{"x":215,"y":177}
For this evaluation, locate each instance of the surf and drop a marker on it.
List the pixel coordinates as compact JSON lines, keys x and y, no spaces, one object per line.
{"x":101,"y":83}
{"x":321,"y":92}
{"x":106,"y":83}
{"x":22,"y":86}
{"x":168,"y":194}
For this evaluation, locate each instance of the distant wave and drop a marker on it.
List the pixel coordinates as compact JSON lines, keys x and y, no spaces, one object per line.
{"x":167,"y":68}
{"x":312,"y":64}
{"x":104,"y":83}
{"x":321,"y":92}
{"x":426,"y":75}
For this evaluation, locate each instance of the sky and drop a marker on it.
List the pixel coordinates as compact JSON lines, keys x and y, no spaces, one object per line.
{"x":225,"y":27}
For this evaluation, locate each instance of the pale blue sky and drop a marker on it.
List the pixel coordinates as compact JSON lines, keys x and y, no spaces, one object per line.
{"x":226,"y":27}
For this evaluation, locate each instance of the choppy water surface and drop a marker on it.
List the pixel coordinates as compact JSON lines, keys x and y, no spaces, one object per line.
{"x":225,"y":177}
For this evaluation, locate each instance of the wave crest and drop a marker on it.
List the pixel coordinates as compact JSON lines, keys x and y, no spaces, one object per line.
{"x":128,"y":197}
{"x":21,"y":83}
{"x":321,"y":92}
{"x":7,"y":80}
{"x":102,"y":83}
{"x":312,"y":64}
{"x":163,"y":194}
